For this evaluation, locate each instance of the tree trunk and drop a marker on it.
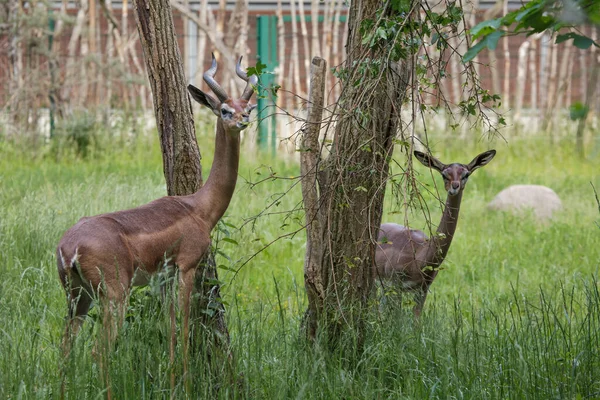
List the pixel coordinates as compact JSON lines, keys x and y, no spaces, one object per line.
{"x":172,"y":107}
{"x":340,"y":253}
{"x":181,"y":158}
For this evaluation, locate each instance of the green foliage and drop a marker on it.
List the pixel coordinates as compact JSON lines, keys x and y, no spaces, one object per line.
{"x":396,"y":34}
{"x":578,"y":111}
{"x":538,"y":16}
{"x":517,"y":300}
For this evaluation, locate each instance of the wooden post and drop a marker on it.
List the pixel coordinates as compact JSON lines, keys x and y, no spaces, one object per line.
{"x":309,"y":164}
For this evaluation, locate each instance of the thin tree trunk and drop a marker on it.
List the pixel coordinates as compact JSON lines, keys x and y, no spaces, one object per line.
{"x":489,"y":14}
{"x":294,"y":59}
{"x":305,"y":43}
{"x":533,"y":74}
{"x":92,"y":34}
{"x":281,"y":53}
{"x":455,"y":73}
{"x":506,"y":82}
{"x":562,"y":84}
{"x":15,"y":56}
{"x":241,"y":42}
{"x":326,"y":37}
{"x":110,"y":56}
{"x":335,"y":48}
{"x":71,"y":71}
{"x":544,"y":71}
{"x":114,"y":36}
{"x":201,"y":43}
{"x":521,"y":78}
{"x":552,"y":88}
{"x":314,"y":12}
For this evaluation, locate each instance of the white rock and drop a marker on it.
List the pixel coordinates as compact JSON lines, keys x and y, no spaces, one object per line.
{"x":542,"y":200}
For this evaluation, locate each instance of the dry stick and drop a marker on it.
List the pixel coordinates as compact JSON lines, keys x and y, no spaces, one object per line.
{"x":327,"y":38}
{"x":590,"y":93}
{"x":186,"y":39}
{"x":138,"y":66}
{"x":54,"y":62}
{"x":563,"y":82}
{"x":545,"y":50}
{"x":491,"y":13}
{"x":304,"y":42}
{"x":309,"y":162}
{"x":454,"y":71}
{"x":280,"y":101}
{"x":120,"y":47}
{"x":130,"y":91}
{"x":110,"y":55}
{"x":241,"y":42}
{"x":14,"y":55}
{"x":552,"y":88}
{"x":72,"y":49}
{"x":327,"y":34}
{"x":92,"y":34}
{"x":314,"y":11}
{"x":83,"y":83}
{"x":506,"y":49}
{"x":201,"y":43}
{"x":533,"y":72}
{"x":212,"y":32}
{"x":465,"y":23}
{"x":294,"y":61}
{"x":335,"y":47}
{"x":235,"y":39}
{"x":521,"y":78}
{"x":124,"y":18}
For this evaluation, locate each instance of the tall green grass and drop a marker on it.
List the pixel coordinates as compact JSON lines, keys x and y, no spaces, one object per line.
{"x":515,"y":313}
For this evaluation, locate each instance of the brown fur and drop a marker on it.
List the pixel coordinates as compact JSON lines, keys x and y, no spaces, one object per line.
{"x":407,"y":258}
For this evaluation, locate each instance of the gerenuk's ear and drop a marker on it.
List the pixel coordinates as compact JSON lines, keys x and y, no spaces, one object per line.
{"x":205,"y":99}
{"x":429,"y":161}
{"x":481,"y":160}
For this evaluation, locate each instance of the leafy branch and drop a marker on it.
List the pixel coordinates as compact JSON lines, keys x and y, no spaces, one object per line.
{"x":537,"y":16}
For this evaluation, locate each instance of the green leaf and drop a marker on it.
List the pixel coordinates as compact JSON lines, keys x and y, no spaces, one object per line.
{"x":485,"y":28}
{"x":257,"y":70}
{"x":583,"y":42}
{"x":226,"y":268}
{"x":229,"y":240}
{"x":579,"y":41}
{"x":490,"y":41}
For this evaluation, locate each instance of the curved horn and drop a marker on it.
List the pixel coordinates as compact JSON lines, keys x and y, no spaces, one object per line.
{"x":209,"y":78}
{"x":252,"y":81}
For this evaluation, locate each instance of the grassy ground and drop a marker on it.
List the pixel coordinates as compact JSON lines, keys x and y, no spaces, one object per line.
{"x":514,"y":314}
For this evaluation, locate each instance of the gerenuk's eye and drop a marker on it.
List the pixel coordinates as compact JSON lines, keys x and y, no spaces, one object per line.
{"x":225,"y":113}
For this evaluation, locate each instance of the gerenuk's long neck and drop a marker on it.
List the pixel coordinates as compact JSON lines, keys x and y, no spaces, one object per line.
{"x":214,"y":197}
{"x":440,"y":243}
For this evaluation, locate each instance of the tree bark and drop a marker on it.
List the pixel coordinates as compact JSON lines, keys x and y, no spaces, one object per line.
{"x":172,"y":107}
{"x":340,"y":254}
